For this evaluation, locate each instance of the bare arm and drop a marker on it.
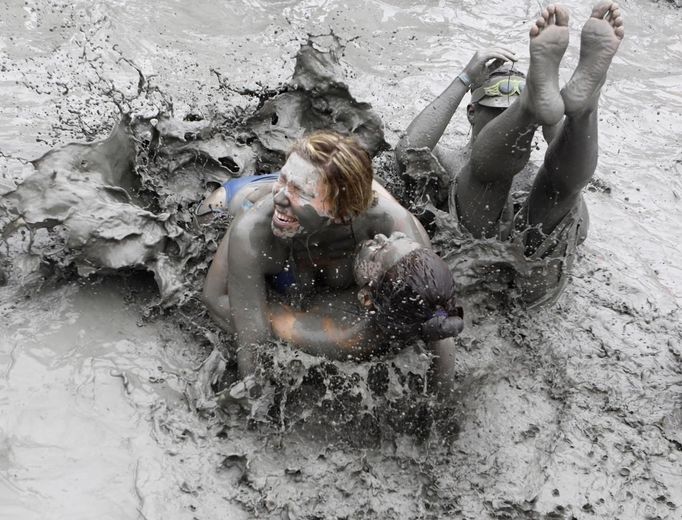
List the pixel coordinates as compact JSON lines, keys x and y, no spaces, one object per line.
{"x":427,"y":128}
{"x":245,"y":270}
{"x":326,"y":331}
{"x":214,"y":294}
{"x":318,"y":331}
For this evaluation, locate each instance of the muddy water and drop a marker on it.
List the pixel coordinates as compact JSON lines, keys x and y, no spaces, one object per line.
{"x":569,"y":412}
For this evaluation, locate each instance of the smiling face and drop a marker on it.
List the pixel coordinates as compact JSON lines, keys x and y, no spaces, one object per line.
{"x":378,"y":255}
{"x":300,"y":197}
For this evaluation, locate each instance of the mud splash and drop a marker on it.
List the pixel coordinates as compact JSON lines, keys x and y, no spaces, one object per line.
{"x":568,"y":412}
{"x":126,"y":203}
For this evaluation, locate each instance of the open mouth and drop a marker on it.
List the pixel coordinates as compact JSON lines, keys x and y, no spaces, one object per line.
{"x":282,"y":220}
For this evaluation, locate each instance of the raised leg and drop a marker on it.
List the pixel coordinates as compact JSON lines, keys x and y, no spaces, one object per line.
{"x":571,"y":158}
{"x":502,"y":147}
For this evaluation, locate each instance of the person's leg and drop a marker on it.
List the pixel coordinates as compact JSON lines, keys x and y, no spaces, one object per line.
{"x":571,"y":157}
{"x":502,"y":148}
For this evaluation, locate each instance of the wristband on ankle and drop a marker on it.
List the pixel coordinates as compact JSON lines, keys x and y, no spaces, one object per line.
{"x":464,"y":78}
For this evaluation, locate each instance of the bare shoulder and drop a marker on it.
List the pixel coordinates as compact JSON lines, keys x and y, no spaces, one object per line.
{"x":384,"y":208}
{"x":254,"y":223}
{"x":387,"y":215}
{"x":251,"y":242}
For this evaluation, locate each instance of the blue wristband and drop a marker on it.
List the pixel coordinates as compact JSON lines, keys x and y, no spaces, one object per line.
{"x":464,"y":78}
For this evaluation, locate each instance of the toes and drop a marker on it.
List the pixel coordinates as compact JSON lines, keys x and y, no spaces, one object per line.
{"x":614,"y":16}
{"x":550,"y":12}
{"x":537,"y":27}
{"x":600,"y":10}
{"x":616,"y":20}
{"x":561,"y":16}
{"x":555,"y":14}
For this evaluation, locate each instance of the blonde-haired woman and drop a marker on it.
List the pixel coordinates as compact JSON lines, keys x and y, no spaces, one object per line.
{"x":298,"y":238}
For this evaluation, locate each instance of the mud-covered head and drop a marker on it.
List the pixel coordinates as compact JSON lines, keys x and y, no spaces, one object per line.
{"x":410,"y":287}
{"x":500,"y":89}
{"x":326,"y":179}
{"x":494,"y":95}
{"x":345,"y":168}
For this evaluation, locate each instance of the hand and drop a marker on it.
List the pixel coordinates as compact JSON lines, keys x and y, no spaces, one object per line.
{"x":487,"y":60}
{"x":441,"y":327}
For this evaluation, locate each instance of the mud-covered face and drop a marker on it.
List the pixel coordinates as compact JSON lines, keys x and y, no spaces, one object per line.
{"x":300,"y":197}
{"x":378,"y":255}
{"x":480,"y":115}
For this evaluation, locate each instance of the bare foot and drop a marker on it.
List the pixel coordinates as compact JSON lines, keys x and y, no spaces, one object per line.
{"x":548,"y":42}
{"x":599,"y":41}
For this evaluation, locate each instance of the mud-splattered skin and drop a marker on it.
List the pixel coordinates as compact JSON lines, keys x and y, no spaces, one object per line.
{"x":291,"y":230}
{"x":380,"y":254}
{"x":300,"y":199}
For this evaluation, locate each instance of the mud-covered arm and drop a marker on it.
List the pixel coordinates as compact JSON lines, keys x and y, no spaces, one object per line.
{"x":248,"y":243}
{"x":427,"y":128}
{"x":320,"y":331}
{"x":214,"y":294}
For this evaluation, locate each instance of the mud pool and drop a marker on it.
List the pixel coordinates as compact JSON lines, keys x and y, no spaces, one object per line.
{"x":572,"y":411}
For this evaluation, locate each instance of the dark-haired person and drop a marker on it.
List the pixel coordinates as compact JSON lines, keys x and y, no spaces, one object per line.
{"x":551,"y":220}
{"x":301,"y":239}
{"x":404,"y":291}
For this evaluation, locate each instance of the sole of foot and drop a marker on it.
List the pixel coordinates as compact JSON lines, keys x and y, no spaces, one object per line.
{"x":599,"y":41}
{"x":548,"y":42}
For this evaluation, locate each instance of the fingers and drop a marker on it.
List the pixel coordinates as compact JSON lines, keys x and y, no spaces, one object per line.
{"x":479,"y":64}
{"x":495,"y":64}
{"x":499,"y":53}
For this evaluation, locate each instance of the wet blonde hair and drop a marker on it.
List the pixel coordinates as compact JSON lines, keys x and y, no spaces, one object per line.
{"x":345,"y":167}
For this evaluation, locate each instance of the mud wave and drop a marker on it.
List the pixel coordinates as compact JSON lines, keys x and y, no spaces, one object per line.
{"x":126,"y":202}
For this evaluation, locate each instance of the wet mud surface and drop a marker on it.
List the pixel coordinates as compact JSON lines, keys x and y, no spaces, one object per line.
{"x":106,"y":410}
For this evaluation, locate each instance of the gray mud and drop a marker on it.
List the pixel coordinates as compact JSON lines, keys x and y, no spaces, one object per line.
{"x":106,"y":411}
